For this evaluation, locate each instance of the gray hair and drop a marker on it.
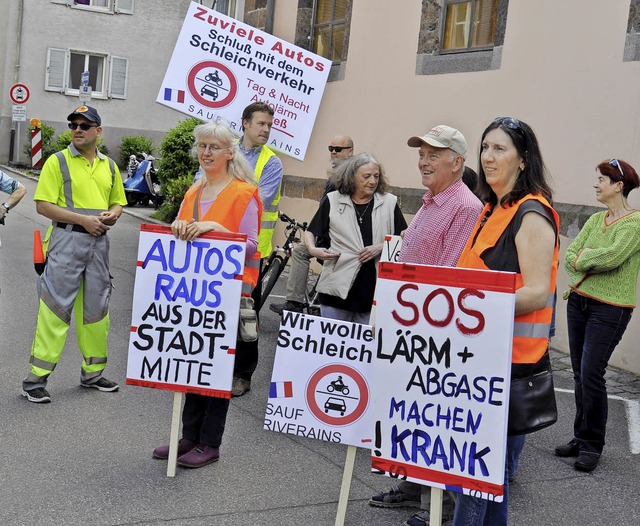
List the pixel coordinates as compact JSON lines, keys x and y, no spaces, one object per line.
{"x":237,"y":166}
{"x":343,"y":176}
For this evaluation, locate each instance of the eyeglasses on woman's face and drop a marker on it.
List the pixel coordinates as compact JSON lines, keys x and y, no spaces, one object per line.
{"x":203,"y":147}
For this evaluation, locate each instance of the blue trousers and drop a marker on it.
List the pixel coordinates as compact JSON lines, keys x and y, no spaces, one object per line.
{"x":473,"y":511}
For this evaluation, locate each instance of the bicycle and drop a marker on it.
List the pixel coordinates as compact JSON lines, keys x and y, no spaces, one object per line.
{"x":277,"y":260}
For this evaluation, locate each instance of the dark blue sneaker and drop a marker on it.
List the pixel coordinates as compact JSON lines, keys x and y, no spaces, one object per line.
{"x":39,"y":395}
{"x":102,"y":384}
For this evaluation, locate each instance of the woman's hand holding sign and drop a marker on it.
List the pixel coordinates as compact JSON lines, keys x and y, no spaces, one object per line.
{"x":189,"y":230}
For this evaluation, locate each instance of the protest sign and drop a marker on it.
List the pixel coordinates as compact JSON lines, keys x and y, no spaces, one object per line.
{"x":220,"y":65}
{"x":186,"y":304}
{"x":442,"y":374}
{"x":320,"y":385}
{"x":391,"y":249}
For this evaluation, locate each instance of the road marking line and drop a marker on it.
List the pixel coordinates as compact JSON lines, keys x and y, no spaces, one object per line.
{"x":633,"y":418}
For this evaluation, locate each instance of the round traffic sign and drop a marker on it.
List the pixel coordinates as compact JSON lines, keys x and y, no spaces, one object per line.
{"x":19,"y":94}
{"x":212,"y":84}
{"x":335,"y":401}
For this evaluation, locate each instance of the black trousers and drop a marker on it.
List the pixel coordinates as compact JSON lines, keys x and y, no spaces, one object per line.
{"x":204,"y":419}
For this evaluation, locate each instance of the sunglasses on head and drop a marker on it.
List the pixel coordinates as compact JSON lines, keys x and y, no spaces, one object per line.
{"x":83,"y":126}
{"x":509,"y":122}
{"x":338,"y":149}
{"x":614,"y":162}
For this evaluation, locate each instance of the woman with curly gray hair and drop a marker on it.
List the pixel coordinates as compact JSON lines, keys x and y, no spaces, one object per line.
{"x":354,"y":220}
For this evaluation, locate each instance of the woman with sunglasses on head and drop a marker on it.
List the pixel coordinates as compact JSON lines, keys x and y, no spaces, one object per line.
{"x":602,"y":262}
{"x":517,"y":232}
{"x":225,"y":200}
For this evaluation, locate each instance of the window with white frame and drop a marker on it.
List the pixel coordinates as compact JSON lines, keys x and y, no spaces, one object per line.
{"x":107,"y":73}
{"x":469,"y":25}
{"x":232,"y":8}
{"x":105,"y":6}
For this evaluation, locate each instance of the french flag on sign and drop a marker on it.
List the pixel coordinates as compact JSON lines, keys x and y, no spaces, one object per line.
{"x":281,"y":390}
{"x":173,"y":95}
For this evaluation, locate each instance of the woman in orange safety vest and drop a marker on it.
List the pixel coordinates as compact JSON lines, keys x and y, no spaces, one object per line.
{"x":225,"y":200}
{"x":517,"y":232}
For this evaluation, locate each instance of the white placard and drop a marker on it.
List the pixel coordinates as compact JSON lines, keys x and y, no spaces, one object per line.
{"x":186,"y":304}
{"x":321,"y":381}
{"x":391,"y":249}
{"x":220,"y":65}
{"x":442,"y":376}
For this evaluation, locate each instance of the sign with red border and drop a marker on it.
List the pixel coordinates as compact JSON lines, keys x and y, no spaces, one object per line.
{"x":19,"y":94}
{"x":186,"y":304}
{"x":220,"y":65}
{"x":322,"y":389}
{"x":321,"y":380}
{"x":443,"y":359}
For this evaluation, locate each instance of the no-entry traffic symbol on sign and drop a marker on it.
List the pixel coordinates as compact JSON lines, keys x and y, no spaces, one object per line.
{"x":19,"y":94}
{"x":337,"y":395}
{"x":212,"y":84}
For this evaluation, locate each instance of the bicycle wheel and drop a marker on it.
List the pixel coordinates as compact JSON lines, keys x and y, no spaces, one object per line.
{"x":270,"y":277}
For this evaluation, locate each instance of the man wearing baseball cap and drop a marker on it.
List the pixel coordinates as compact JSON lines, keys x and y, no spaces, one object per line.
{"x":80,"y":190}
{"x":436,"y":236}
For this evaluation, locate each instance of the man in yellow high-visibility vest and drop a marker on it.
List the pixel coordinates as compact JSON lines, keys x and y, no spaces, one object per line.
{"x":80,"y":190}
{"x":257,"y":120}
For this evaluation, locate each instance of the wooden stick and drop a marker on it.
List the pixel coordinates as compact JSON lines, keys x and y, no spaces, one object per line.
{"x":173,"y":441}
{"x":347,"y":474}
{"x":435,"y":512}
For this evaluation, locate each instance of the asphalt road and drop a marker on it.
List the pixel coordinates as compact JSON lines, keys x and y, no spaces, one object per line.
{"x":85,"y":459}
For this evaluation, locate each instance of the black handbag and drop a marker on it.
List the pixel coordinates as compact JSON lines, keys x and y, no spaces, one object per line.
{"x":532,"y":400}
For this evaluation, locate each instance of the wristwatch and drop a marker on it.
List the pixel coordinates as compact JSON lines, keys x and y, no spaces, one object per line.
{"x":6,"y":206}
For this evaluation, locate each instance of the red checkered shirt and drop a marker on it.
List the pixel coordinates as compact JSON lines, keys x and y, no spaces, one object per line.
{"x":440,"y":229}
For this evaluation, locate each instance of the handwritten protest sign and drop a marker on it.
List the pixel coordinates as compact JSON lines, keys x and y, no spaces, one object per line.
{"x":443,"y":338}
{"x":186,"y":304}
{"x":220,"y":65}
{"x":320,"y":386}
{"x":391,"y":249}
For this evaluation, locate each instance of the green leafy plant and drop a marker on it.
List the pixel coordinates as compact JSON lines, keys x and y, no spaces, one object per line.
{"x":134,"y":145}
{"x":176,"y":167}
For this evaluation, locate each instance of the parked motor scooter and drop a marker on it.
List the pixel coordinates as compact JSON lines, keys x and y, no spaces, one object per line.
{"x":142,"y":185}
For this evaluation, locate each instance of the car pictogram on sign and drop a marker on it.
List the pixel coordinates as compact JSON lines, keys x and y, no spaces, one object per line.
{"x":335,"y":404}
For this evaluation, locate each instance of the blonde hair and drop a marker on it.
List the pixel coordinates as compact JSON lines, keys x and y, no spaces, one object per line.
{"x":237,"y":167}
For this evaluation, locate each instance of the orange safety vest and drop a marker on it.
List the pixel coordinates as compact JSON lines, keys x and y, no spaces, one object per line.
{"x":228,"y":209}
{"x":531,"y":330}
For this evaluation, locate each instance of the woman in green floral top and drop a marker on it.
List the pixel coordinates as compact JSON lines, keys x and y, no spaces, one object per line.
{"x":603,"y":263}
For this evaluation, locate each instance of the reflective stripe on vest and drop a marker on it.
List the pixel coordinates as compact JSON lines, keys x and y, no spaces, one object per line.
{"x":270,"y":210}
{"x":66,"y":184}
{"x":228,"y":209}
{"x":531,"y":330}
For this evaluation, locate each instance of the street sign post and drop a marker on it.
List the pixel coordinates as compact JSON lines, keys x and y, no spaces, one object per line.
{"x":19,"y":113}
{"x":84,"y":94}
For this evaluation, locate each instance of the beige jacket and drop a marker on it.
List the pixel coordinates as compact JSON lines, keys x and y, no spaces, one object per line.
{"x":338,"y":275}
